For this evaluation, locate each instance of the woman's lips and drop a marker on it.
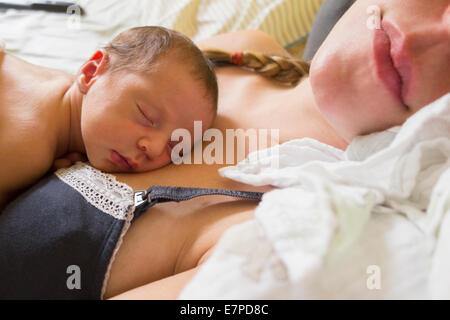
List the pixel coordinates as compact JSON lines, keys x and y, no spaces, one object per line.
{"x":121,"y":161}
{"x":385,"y":67}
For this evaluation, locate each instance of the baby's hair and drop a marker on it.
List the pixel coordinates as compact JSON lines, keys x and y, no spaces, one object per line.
{"x":139,"y":49}
{"x":286,"y":70}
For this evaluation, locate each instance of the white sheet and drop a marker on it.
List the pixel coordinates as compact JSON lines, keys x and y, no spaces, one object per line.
{"x":372,"y":222}
{"x":64,"y":42}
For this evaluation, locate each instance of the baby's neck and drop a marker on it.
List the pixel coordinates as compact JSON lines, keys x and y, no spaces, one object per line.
{"x":68,"y":131}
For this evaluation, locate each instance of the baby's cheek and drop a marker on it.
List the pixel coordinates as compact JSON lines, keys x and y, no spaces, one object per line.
{"x":161,"y":162}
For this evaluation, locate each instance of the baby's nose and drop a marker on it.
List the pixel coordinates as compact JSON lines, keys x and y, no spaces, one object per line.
{"x":153,"y":148}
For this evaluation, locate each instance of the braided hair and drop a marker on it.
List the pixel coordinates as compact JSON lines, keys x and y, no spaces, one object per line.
{"x":286,"y":70}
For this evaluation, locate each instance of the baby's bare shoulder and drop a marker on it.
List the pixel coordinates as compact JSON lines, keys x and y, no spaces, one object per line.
{"x":27,"y":123}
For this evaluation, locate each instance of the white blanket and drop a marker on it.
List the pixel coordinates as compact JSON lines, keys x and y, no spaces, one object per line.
{"x":370,"y":222}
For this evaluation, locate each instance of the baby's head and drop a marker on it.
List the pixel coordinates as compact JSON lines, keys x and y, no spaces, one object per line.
{"x":146,"y":83}
{"x":382,"y":62}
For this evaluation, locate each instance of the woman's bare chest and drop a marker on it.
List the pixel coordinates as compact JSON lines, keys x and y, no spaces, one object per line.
{"x":250,"y":101}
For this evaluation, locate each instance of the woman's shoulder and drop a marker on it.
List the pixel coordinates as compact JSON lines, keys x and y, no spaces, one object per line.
{"x":244,"y":40}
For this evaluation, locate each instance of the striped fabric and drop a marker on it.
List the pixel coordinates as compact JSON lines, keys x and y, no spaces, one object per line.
{"x":288,"y":21}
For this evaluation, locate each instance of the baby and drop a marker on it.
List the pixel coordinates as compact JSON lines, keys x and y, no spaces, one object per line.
{"x":118,"y":111}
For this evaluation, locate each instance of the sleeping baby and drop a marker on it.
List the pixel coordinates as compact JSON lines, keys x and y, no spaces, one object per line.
{"x":118,"y":112}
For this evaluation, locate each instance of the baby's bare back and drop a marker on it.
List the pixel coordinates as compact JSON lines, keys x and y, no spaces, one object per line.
{"x":28,"y":95}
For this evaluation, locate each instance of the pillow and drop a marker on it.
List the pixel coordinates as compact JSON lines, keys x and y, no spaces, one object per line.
{"x":329,"y":13}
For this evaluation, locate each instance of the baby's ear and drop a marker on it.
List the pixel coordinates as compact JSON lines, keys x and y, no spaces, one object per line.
{"x":91,"y":69}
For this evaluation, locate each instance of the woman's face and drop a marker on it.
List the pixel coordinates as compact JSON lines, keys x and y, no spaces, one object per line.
{"x":132,"y":115}
{"x":367,"y":78}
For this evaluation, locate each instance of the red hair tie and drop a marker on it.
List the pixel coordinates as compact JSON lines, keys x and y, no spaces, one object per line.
{"x":237,"y":58}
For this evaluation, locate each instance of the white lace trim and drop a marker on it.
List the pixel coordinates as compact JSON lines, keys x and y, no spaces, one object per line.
{"x":100,"y":189}
{"x":106,"y":194}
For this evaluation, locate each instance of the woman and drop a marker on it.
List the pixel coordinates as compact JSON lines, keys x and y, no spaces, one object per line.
{"x":168,"y":244}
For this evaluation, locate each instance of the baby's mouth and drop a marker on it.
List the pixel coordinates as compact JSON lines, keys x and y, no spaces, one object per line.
{"x":121,"y":161}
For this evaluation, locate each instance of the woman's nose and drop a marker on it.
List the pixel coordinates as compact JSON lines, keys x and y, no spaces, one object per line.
{"x":152,"y":148}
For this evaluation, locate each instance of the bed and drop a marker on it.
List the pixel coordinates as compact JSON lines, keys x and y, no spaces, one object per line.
{"x":65,"y":41}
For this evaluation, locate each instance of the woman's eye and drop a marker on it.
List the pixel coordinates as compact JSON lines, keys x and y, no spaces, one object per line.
{"x":146,"y":118}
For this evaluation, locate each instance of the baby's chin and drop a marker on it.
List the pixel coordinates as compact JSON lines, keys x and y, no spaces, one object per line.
{"x":109,"y":167}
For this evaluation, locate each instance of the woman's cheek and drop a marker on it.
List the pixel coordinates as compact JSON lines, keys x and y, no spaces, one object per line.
{"x":325,"y":82}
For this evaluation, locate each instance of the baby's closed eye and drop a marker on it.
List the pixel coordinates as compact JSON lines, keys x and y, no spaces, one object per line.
{"x":147,"y":118}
